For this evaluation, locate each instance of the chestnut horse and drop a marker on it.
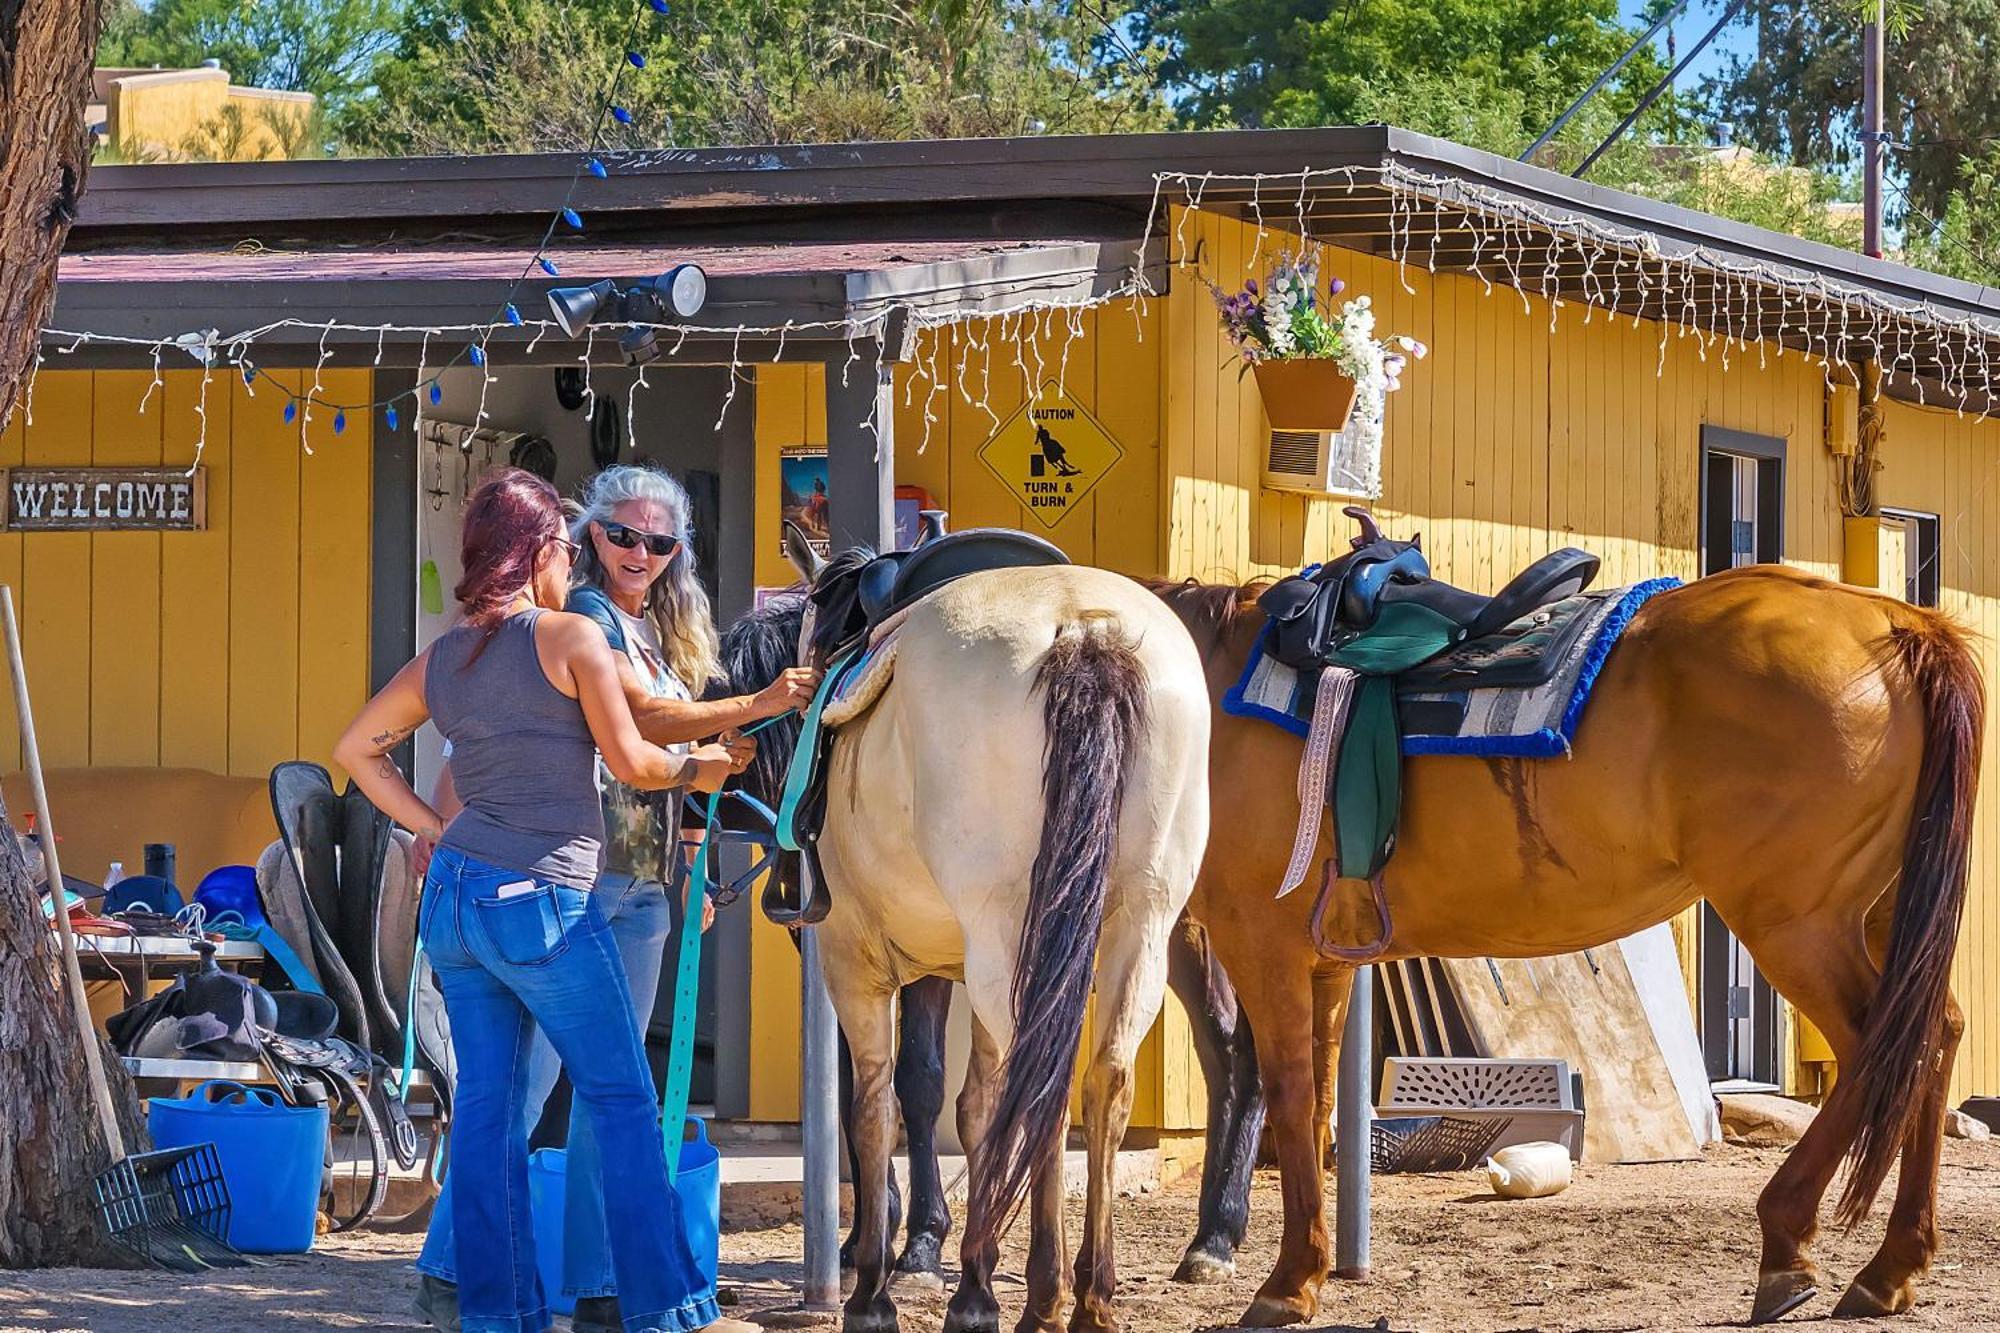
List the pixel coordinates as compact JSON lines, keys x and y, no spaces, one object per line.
{"x":1800,"y":753}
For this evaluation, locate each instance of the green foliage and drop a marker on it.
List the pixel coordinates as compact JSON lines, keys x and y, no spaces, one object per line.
{"x":325,"y":47}
{"x":1314,"y":62}
{"x":516,"y":75}
{"x":1964,"y":241}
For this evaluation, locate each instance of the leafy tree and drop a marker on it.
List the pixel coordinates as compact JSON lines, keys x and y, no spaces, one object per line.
{"x":1798,"y":93}
{"x":325,"y":47}
{"x":499,"y":75}
{"x":1318,"y":62}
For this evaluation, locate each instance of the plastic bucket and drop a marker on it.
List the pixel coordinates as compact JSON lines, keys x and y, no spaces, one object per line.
{"x":699,"y":1185}
{"x":272,"y":1158}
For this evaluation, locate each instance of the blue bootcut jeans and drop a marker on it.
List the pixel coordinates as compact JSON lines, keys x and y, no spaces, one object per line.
{"x":548,"y":962}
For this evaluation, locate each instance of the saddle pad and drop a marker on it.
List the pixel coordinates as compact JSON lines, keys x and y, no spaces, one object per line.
{"x":862,"y":684}
{"x":1529,"y":722}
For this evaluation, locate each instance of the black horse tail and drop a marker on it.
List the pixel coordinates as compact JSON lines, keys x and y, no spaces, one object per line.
{"x":1093,"y":713}
{"x":1903,"y":1039}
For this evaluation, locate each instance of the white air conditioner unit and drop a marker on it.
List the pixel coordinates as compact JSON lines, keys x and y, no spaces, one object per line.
{"x":1326,"y":462}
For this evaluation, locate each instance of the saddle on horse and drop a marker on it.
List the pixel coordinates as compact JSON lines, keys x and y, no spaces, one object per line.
{"x":855,"y":608}
{"x":1375,"y":621}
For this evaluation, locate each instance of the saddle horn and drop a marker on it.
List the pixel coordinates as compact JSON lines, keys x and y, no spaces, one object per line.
{"x":930,"y":524}
{"x":1369,"y":531}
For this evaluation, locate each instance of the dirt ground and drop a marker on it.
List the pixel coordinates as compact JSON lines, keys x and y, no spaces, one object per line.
{"x":1639,"y":1247}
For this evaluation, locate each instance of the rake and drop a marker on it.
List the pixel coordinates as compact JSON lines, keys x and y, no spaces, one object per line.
{"x":169,"y":1207}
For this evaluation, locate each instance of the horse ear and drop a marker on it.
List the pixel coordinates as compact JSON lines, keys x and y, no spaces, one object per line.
{"x":1417,"y":542}
{"x":799,"y":551}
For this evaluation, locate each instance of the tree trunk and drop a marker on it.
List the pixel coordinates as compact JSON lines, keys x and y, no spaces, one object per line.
{"x":46,"y":48}
{"x":50,"y":1143}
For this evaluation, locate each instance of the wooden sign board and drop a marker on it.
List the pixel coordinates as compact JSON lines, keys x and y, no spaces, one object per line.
{"x":105,"y":499}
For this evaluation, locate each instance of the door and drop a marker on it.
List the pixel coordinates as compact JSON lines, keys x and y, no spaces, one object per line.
{"x":1742,"y":523}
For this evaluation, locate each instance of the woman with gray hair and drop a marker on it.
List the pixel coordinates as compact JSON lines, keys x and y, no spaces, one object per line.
{"x":636,"y":578}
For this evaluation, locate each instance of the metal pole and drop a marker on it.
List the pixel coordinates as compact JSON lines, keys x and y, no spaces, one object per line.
{"x":1871,"y":129}
{"x":1354,"y":1114}
{"x":1607,"y":76}
{"x":1654,"y":93}
{"x":819,"y":1126}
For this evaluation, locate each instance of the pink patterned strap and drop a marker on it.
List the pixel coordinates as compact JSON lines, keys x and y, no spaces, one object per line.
{"x":1329,"y":720}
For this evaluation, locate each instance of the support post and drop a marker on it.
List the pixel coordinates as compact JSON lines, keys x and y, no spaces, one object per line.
{"x":1871,"y":129}
{"x":861,"y":490}
{"x":1354,"y":1114}
{"x":819,"y":1122}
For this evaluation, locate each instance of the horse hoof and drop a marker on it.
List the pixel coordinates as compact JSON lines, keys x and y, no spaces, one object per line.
{"x":1858,"y":1302}
{"x":879,"y":1317}
{"x":1778,"y":1294}
{"x":916,"y":1280}
{"x":1271,"y":1312}
{"x":1202,"y":1269}
{"x":983,"y":1317}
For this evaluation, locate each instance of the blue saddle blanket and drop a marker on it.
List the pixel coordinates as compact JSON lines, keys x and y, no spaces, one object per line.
{"x":1528,"y":722}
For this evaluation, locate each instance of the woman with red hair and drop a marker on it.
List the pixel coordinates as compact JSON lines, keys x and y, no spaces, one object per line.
{"x":529,"y":696}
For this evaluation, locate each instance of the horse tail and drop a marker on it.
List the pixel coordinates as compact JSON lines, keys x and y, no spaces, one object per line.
{"x":1903,"y":1038}
{"x":1093,"y":714}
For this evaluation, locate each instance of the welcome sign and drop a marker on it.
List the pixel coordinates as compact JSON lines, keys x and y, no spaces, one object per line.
{"x":106,"y":499}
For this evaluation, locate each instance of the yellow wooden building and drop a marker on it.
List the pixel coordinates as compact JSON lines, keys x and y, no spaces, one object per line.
{"x":1671,"y":391}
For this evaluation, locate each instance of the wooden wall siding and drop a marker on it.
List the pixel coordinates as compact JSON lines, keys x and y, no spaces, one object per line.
{"x":228,"y":649}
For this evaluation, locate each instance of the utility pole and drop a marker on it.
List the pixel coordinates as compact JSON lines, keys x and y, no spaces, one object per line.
{"x":1871,"y":129}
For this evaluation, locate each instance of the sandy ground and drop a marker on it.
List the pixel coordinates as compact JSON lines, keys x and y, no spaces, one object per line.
{"x":1645,"y":1247}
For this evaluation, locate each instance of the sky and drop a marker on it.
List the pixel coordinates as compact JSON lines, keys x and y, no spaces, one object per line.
{"x":1689,"y":29}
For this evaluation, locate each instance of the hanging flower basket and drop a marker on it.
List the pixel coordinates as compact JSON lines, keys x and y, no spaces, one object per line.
{"x":1305,"y":393}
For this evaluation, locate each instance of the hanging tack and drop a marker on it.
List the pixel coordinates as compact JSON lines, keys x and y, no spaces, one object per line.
{"x":478,"y":354}
{"x":291,"y":410}
{"x":548,"y":266}
{"x":339,"y":421}
{"x":597,"y":169}
{"x":389,"y":416}
{"x":513,"y":314}
{"x":573,"y":219}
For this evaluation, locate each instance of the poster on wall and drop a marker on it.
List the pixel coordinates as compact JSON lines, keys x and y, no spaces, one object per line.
{"x":802,"y":494}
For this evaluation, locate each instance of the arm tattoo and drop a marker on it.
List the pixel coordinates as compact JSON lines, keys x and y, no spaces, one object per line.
{"x":390,"y":739}
{"x":387,"y":767}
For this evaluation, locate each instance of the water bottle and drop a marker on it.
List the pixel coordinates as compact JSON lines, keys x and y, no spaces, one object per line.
{"x":113,"y":875}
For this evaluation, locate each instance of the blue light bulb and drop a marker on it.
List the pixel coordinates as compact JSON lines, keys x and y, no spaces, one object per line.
{"x":249,"y":374}
{"x":575,"y":220}
{"x":339,"y":422}
{"x":291,"y":409}
{"x":478,"y":355}
{"x":513,"y":315}
{"x":638,"y":61}
{"x":659,"y":6}
{"x":548,"y":266}
{"x":437,"y":394}
{"x":597,"y":169}
{"x":389,"y":415}
{"x":621,"y":115}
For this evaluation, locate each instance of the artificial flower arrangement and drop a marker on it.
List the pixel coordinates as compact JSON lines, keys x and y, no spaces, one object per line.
{"x":1312,"y":360}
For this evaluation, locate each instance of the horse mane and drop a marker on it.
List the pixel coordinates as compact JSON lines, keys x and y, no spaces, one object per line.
{"x":755,"y":651}
{"x":836,"y":596}
{"x":1209,"y":610}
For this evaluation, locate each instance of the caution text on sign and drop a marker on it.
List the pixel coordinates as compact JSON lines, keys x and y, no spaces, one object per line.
{"x":1051,"y":453}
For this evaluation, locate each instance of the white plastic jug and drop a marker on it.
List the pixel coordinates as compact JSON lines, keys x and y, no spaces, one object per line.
{"x":1529,"y":1170}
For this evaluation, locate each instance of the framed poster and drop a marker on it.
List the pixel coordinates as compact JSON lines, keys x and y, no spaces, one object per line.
{"x":802,"y":494}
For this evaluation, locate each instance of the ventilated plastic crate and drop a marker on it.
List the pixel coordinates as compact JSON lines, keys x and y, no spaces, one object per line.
{"x":1534,"y":1101}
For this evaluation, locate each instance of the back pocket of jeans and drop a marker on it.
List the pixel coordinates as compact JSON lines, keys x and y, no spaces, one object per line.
{"x":525,"y":929}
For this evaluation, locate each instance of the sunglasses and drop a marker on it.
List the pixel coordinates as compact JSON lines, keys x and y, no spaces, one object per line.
{"x":625,"y":538}
{"x":569,"y":548}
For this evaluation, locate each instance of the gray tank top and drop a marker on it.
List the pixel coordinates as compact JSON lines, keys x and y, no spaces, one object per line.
{"x":522,"y":757}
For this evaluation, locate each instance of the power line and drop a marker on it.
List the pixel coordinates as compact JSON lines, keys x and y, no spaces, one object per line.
{"x":1937,"y":232}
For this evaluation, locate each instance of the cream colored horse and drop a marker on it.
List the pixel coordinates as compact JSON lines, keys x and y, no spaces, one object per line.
{"x":1022,"y":808}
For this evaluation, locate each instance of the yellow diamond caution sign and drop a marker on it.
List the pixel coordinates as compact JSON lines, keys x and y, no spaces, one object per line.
{"x":1051,"y":453}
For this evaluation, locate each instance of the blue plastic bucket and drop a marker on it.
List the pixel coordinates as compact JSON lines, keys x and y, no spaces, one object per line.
{"x":699,"y":1186}
{"x":272,"y":1158}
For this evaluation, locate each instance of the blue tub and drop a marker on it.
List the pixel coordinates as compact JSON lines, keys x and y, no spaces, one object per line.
{"x":699,"y":1185}
{"x":272,"y":1157}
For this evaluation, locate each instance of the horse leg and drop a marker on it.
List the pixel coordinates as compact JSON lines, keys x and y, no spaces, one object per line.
{"x":926,"y":1006}
{"x":1048,"y":1285}
{"x":1131,"y":982}
{"x":1235,"y":1105}
{"x":1825,"y":972}
{"x":850,"y":1141}
{"x":1332,"y":983}
{"x":1279,"y":1002}
{"x":973,"y":1308}
{"x":1888,"y":1284}
{"x":868,"y":1018}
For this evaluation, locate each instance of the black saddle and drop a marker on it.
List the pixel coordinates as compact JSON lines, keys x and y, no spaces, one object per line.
{"x":851,"y":603}
{"x":1313,"y":615}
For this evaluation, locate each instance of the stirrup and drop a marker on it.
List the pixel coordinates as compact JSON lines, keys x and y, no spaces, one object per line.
{"x":1343,"y":953}
{"x":783,"y":910}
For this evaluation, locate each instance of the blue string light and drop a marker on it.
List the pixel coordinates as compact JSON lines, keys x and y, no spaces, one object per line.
{"x":250,"y":375}
{"x":638,"y":61}
{"x":389,"y":416}
{"x":573,"y":218}
{"x":597,"y":169}
{"x":548,"y":266}
{"x":513,"y":314}
{"x":291,"y":410}
{"x":478,"y":354}
{"x":437,"y":394}
{"x":339,"y":422}
{"x":659,"y":6}
{"x":621,"y":115}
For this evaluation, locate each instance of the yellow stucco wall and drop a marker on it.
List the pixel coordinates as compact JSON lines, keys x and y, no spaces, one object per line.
{"x":1519,"y":434}
{"x":175,"y":115}
{"x":228,"y":649}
